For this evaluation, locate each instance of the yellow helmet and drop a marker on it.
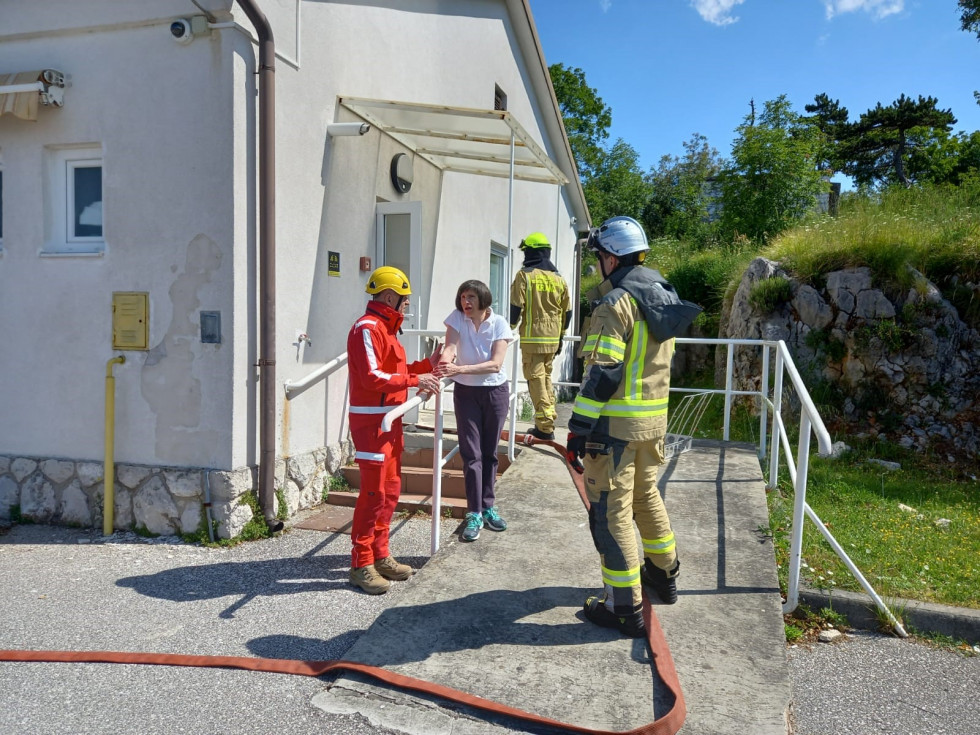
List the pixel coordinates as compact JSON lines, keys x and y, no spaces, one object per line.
{"x":387,"y":277}
{"x":534,"y":241}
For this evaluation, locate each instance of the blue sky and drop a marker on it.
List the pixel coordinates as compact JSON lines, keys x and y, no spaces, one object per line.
{"x":672,"y":68}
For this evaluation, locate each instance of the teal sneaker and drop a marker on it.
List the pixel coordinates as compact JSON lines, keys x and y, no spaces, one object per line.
{"x":493,"y":521}
{"x":474,"y":522}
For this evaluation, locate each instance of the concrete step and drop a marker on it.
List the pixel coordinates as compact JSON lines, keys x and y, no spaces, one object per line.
{"x":408,"y":503}
{"x":422,"y":457}
{"x":417,"y":481}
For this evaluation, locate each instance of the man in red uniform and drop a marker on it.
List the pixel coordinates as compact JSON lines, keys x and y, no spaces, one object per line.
{"x":379,"y":381}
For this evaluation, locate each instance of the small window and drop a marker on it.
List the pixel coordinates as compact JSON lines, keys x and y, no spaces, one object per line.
{"x":84,"y":201}
{"x":73,"y":218}
{"x":499,"y":288}
{"x":499,"y":98}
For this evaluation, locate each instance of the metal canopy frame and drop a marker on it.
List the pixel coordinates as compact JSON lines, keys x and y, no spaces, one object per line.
{"x":461,"y":139}
{"x":472,"y":141}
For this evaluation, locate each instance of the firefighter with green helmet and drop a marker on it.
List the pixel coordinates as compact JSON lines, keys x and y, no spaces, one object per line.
{"x":540,"y":311}
{"x":619,"y":423}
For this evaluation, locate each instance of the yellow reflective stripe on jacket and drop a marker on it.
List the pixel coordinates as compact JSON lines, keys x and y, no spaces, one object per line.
{"x":633,"y":374}
{"x":633,"y":408}
{"x":587,"y":406}
{"x":663,"y":545}
{"x":540,"y":340}
{"x":619,"y":578}
{"x":606,"y":345}
{"x":528,"y":309}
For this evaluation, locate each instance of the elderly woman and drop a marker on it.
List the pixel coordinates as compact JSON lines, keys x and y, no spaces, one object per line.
{"x":476,"y":343}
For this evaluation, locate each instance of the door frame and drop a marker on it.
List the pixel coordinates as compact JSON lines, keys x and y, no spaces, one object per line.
{"x":414,"y":210}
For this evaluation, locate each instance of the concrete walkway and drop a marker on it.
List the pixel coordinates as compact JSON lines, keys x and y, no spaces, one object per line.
{"x":501,"y":617}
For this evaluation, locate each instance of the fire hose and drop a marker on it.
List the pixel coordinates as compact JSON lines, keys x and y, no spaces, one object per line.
{"x":668,"y":724}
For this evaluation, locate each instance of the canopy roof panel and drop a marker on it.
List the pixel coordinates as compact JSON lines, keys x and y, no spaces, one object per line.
{"x":461,"y":139}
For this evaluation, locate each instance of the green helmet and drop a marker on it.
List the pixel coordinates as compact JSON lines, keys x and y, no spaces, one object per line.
{"x":535,"y":241}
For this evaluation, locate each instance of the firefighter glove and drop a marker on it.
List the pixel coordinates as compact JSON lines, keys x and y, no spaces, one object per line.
{"x":574,"y":449}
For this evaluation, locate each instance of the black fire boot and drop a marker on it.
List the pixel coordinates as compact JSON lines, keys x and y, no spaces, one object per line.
{"x":631,"y":625}
{"x":661,"y":581}
{"x":543,"y":435}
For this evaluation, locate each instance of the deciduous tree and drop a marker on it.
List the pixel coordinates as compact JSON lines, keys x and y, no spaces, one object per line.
{"x":681,"y":193}
{"x":617,"y":186}
{"x":772,"y":179}
{"x":587,"y":118}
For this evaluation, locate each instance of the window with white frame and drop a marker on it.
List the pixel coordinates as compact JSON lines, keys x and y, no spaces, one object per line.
{"x":499,"y":288}
{"x":73,"y":200}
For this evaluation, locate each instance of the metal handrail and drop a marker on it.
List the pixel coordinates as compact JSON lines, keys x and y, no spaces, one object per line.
{"x":295,"y":387}
{"x":810,"y":421}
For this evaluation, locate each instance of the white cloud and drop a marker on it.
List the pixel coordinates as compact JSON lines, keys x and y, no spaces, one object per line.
{"x":605,"y":5}
{"x":717,"y":12}
{"x":878,"y":8}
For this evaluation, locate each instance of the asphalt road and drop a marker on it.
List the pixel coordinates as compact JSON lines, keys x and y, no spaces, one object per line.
{"x":70,"y":589}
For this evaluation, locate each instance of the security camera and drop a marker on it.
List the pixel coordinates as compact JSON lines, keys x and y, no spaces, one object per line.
{"x":573,"y":221}
{"x":180,"y":29}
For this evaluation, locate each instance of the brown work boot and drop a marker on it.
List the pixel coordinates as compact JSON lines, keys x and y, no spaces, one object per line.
{"x":390,"y":568}
{"x":368,"y":579}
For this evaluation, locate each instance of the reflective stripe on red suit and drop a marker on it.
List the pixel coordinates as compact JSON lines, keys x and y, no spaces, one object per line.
{"x":379,"y":380}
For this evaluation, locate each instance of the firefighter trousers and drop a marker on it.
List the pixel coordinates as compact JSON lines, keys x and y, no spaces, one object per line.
{"x":537,"y":373}
{"x":379,"y":458}
{"x":621,"y":484}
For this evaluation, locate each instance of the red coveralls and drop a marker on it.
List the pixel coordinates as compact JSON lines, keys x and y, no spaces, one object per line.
{"x":379,"y":381}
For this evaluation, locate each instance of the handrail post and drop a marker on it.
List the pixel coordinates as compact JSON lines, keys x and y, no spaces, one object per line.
{"x":777,"y":406}
{"x":437,"y":475}
{"x":799,"y":503}
{"x":763,"y":406}
{"x":512,"y":401}
{"x":729,"y":370}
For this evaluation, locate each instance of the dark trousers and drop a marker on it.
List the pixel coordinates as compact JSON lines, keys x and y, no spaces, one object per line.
{"x":480,"y":415}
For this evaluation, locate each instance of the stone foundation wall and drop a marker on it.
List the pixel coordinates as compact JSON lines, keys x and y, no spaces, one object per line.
{"x":164,"y":501}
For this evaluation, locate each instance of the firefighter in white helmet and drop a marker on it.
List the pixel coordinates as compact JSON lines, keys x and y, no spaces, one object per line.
{"x":619,"y":423}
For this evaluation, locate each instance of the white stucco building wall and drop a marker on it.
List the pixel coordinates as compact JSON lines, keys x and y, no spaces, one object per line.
{"x":175,"y":126}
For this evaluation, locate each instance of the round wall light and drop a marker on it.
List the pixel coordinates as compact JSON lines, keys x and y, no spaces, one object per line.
{"x":401,"y":173}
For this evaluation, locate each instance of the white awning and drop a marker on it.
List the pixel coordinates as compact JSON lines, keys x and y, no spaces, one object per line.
{"x":22,"y":92}
{"x":461,"y":139}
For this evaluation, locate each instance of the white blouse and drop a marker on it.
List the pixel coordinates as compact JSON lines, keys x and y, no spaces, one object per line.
{"x":476,"y":344}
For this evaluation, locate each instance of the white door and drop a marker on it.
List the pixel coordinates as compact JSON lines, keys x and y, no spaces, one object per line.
{"x":399,"y":244}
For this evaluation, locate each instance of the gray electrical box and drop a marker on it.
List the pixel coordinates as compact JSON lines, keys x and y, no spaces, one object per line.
{"x":211,"y":327}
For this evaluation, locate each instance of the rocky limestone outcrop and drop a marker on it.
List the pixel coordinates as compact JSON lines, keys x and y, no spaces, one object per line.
{"x":900,"y":363}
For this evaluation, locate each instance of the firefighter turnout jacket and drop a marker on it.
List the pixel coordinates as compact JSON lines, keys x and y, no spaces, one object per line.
{"x":539,"y":302}
{"x":627,"y":351}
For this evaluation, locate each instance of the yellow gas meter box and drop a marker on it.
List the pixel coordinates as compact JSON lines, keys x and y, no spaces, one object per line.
{"x":130,"y":320}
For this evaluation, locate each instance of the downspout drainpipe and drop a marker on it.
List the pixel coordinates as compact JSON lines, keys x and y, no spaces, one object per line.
{"x":267,"y":262}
